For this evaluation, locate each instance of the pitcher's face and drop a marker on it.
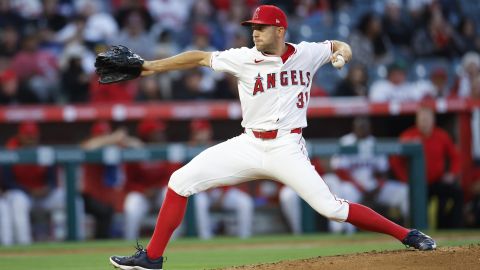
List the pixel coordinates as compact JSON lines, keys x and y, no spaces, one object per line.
{"x":266,"y":37}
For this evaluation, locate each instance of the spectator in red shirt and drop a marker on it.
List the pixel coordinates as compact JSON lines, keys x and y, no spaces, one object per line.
{"x":146,"y":181}
{"x":442,"y":182}
{"x":32,"y":188}
{"x":99,"y":181}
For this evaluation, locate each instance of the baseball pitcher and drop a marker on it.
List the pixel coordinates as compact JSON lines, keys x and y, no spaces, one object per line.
{"x":274,"y":81}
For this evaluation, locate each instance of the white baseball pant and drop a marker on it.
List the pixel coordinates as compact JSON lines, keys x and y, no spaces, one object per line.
{"x":234,"y":199}
{"x":136,"y":208}
{"x":6,"y":223}
{"x":245,"y":158}
{"x":54,"y":203}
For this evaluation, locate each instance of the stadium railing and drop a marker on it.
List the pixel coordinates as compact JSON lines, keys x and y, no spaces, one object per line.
{"x":71,"y":156}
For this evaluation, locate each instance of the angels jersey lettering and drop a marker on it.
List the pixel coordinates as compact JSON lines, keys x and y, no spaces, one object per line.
{"x":274,"y":94}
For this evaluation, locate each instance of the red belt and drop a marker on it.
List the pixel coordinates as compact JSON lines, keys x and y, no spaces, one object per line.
{"x":272,"y":134}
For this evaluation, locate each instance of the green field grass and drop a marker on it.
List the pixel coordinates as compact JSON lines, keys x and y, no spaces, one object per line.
{"x":221,"y":252}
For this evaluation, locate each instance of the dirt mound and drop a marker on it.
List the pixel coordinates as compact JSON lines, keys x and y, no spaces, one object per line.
{"x":466,"y":257}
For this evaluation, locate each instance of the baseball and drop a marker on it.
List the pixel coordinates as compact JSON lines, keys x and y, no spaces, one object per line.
{"x":339,"y":62}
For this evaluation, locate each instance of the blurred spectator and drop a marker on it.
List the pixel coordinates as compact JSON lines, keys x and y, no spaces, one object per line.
{"x":50,"y":21}
{"x":397,"y":26}
{"x":228,"y":198}
{"x":443,"y":183}
{"x":469,"y":38}
{"x":149,"y":89}
{"x":38,"y":68}
{"x":75,"y":81}
{"x":100,"y":182}
{"x":124,"y":92}
{"x":397,"y":88}
{"x":439,"y":82}
{"x":170,"y":14}
{"x":10,"y":17}
{"x":9,"y":41}
{"x":201,"y":41}
{"x":13,"y":91}
{"x":100,"y":26}
{"x":146,"y":182}
{"x":34,"y":189}
{"x":124,"y":9}
{"x":371,"y":45}
{"x":134,"y":36}
{"x":6,"y":214}
{"x":364,"y":176}
{"x":437,"y":39}
{"x":189,"y":86}
{"x":166,"y":47}
{"x":355,"y":84}
{"x":470,"y":70}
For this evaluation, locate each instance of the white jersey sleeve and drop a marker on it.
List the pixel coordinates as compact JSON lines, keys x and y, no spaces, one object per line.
{"x":229,"y":61}
{"x":320,"y":52}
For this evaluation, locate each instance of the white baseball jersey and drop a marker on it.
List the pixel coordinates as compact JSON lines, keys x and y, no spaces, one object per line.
{"x":273,"y":94}
{"x":362,"y":166}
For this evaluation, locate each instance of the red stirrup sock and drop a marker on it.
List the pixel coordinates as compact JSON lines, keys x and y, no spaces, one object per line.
{"x":369,"y":220}
{"x":170,"y":216}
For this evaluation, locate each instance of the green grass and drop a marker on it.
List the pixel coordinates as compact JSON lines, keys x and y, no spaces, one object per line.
{"x":221,"y":252}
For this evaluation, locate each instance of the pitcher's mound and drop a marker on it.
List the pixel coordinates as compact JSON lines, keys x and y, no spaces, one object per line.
{"x":466,"y":257}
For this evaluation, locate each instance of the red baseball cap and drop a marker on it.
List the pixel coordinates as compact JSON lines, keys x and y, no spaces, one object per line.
{"x":100,"y":128}
{"x":148,"y":126}
{"x":268,"y":15}
{"x":28,"y":129}
{"x":200,"y":124}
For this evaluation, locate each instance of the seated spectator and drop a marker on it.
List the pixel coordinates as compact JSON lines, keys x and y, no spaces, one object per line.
{"x":9,"y":41}
{"x":34,"y":188}
{"x":469,"y":72}
{"x":437,"y":39}
{"x":75,"y":81}
{"x":123,"y":92}
{"x":229,"y":198}
{"x":398,"y":27}
{"x":38,"y":68}
{"x":100,"y":182}
{"x":371,"y":44}
{"x":442,"y":182}
{"x":13,"y":91}
{"x":149,"y":89}
{"x":469,"y":38}
{"x":146,"y":182}
{"x":134,"y":35}
{"x":396,"y":87}
{"x":439,"y":82}
{"x":355,"y":84}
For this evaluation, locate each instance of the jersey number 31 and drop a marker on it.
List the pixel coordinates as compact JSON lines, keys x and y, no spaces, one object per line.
{"x":302,"y":99}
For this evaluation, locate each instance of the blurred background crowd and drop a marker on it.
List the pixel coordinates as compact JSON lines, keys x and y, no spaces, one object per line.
{"x":403,"y":50}
{"x":47,"y":48}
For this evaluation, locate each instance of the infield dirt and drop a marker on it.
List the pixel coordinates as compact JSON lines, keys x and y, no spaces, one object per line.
{"x":467,"y":257}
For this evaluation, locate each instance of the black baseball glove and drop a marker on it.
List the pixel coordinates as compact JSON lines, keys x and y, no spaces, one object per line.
{"x":118,"y":64}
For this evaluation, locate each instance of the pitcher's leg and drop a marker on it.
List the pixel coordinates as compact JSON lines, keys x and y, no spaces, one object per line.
{"x":292,"y":167}
{"x":235,"y":160}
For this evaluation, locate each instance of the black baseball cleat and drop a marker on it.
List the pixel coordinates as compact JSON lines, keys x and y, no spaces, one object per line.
{"x":419,"y":240}
{"x":138,"y":261}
